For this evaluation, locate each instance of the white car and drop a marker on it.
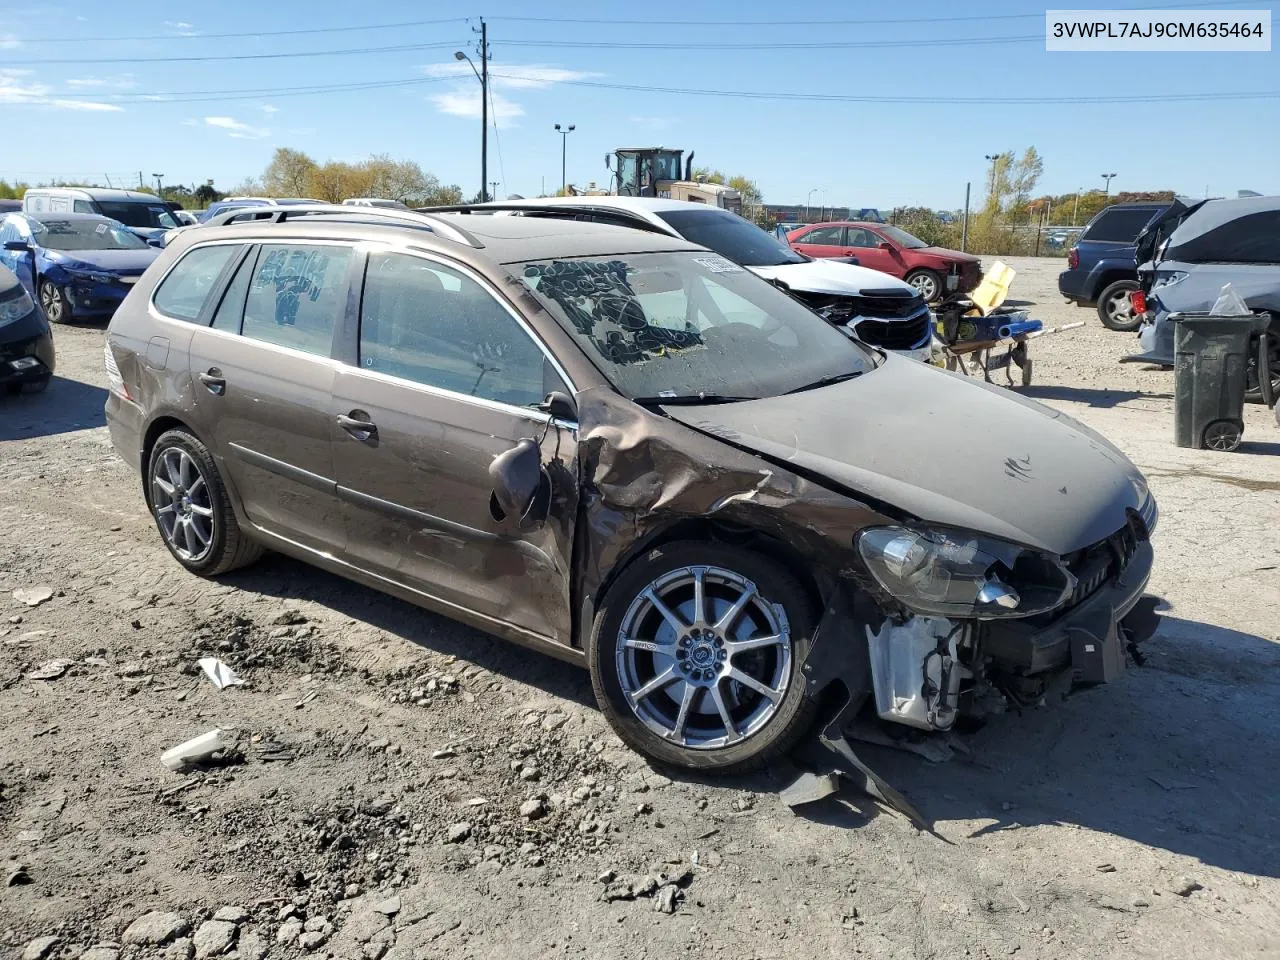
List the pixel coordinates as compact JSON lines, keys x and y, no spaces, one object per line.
{"x":880,"y":310}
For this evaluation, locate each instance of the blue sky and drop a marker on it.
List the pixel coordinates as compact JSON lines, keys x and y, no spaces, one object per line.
{"x":82,"y":119}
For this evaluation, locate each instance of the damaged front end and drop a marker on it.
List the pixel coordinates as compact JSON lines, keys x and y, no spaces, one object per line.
{"x":890,"y":319}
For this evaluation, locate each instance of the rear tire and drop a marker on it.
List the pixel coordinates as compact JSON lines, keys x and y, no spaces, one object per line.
{"x":1114,"y":308}
{"x":191,"y":508}
{"x":712,"y":713}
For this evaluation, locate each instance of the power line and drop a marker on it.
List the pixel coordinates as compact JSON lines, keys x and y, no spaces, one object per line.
{"x":243,"y":56}
{"x":773,"y":45}
{"x":210,"y":96}
{"x":847,"y":98}
{"x":845,"y":22}
{"x":404,"y":24}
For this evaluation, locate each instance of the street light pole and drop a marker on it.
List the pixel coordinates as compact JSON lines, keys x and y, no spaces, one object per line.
{"x":1106,"y":191}
{"x":483,"y":76}
{"x":564,"y":146}
{"x":807,"y":201}
{"x":159,"y":186}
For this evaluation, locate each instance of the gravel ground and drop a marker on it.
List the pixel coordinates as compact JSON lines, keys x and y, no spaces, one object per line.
{"x":400,"y":785}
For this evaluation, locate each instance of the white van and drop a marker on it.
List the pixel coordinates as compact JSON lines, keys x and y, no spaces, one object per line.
{"x":144,"y":213}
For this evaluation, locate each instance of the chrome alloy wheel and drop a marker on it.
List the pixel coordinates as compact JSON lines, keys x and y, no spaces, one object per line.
{"x":703,"y":659}
{"x":180,"y":497}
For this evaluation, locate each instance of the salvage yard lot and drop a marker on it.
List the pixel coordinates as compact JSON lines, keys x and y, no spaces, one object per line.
{"x":410,"y":786}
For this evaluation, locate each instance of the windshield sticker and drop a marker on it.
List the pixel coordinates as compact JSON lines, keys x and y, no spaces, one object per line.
{"x":600,"y":301}
{"x":100,"y":228}
{"x":718,"y":264}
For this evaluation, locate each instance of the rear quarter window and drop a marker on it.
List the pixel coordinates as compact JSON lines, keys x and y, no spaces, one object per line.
{"x":1119,"y":226}
{"x":189,"y":283}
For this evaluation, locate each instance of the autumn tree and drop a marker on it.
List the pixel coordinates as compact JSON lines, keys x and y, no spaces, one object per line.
{"x":288,"y":174}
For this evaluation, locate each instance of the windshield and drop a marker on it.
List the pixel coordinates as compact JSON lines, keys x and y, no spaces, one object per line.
{"x":681,"y":324}
{"x":142,"y":215}
{"x":731,"y":236}
{"x":901,"y":237}
{"x":85,"y":235}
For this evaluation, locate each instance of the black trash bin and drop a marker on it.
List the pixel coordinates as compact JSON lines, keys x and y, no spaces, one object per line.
{"x":1211,"y":357}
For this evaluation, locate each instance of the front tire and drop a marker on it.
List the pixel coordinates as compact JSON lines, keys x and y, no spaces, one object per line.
{"x":191,"y":508}
{"x":928,"y":284}
{"x":696,"y":657}
{"x":57,"y":308}
{"x":1115,"y":309}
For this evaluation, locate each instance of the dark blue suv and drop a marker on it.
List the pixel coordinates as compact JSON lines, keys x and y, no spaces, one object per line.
{"x":1100,"y":268}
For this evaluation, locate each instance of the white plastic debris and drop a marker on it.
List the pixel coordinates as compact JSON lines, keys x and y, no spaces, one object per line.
{"x":1230,"y":303}
{"x":198,"y":748}
{"x":219,"y":673}
{"x":51,"y":669}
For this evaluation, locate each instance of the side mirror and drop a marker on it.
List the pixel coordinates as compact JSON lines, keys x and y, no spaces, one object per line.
{"x":559,"y":405}
{"x":885,"y":245}
{"x":18,"y":246}
{"x":521,"y":488}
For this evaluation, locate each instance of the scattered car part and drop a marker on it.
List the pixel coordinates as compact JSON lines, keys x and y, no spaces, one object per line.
{"x":219,"y":674}
{"x":194,"y":750}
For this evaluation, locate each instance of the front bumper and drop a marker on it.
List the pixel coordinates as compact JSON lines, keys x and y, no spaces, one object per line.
{"x":1086,"y":637}
{"x":89,"y":298}
{"x":26,"y":353}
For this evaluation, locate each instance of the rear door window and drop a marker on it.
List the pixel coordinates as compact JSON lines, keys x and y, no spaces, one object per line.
{"x":297,"y":294}
{"x":1119,"y":226}
{"x":828,"y":235}
{"x":183,"y":291}
{"x":84,"y":206}
{"x":1253,"y":238}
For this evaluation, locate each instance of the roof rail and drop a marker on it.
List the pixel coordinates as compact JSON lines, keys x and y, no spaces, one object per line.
{"x":420,"y":219}
{"x":556,"y":211}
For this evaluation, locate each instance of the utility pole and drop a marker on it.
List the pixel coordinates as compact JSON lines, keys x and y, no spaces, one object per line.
{"x":1076,"y":206}
{"x":141,"y":184}
{"x":964,"y":226}
{"x":159,"y":185}
{"x":1106,"y":191}
{"x":483,"y":76}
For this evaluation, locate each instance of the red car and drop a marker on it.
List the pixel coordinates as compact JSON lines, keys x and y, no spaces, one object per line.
{"x":934,"y":271}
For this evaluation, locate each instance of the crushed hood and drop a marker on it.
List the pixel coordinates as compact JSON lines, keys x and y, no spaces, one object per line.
{"x":824,"y":276}
{"x":945,"y":449}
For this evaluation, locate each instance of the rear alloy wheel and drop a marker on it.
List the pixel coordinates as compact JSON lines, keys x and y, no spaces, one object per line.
{"x":54,"y":301}
{"x":927,"y":283}
{"x":1115,"y":309}
{"x":191,"y":508}
{"x":696,"y":657}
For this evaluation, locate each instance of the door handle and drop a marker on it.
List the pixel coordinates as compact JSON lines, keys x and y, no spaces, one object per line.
{"x":214,"y":381}
{"x":358,"y":425}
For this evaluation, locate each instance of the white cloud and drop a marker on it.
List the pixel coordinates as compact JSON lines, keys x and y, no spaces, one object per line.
{"x":463,"y":100}
{"x":9,"y":42}
{"x":87,"y":105}
{"x":269,"y":109}
{"x":15,"y":88}
{"x":182,"y":28}
{"x":238,"y":129}
{"x":122,"y":81}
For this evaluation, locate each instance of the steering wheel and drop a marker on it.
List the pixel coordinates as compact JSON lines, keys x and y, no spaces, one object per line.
{"x":737,"y":328}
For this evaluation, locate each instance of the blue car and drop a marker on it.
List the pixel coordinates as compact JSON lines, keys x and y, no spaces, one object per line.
{"x":79,"y":266}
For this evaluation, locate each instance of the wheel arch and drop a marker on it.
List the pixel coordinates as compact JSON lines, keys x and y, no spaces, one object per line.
{"x":816,"y":587}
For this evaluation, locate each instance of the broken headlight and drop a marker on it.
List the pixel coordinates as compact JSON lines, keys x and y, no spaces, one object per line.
{"x":961,"y":575}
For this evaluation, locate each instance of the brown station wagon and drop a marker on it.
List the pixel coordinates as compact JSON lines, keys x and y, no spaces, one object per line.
{"x":628,"y":452}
